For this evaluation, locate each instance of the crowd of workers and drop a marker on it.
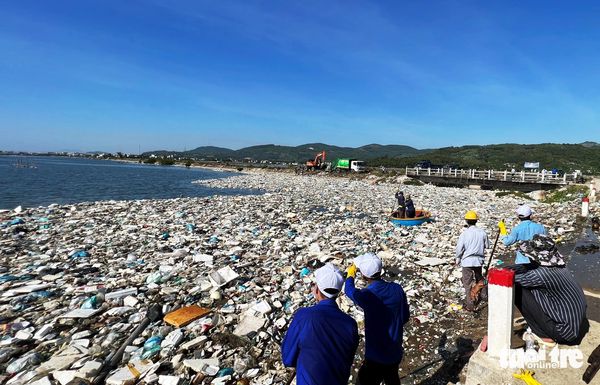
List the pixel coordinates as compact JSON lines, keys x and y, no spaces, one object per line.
{"x":322,"y":340}
{"x":550,"y":300}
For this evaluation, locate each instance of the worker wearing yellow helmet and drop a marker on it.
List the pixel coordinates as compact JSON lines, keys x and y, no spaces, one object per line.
{"x":470,"y":254}
{"x":471,"y":216}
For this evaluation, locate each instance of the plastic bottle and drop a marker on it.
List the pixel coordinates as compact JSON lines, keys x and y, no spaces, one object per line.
{"x":152,"y":342}
{"x":529,"y":340}
{"x":93,"y":302}
{"x":151,"y":347}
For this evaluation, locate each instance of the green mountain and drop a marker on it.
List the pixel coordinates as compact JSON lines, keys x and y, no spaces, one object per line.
{"x":300,"y":153}
{"x":568,"y":157}
{"x":210,"y":152}
{"x":308,"y":151}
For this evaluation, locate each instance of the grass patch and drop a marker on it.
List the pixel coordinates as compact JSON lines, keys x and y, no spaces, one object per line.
{"x":413,"y":182}
{"x":518,"y":194}
{"x":166,"y":162}
{"x":569,"y":193}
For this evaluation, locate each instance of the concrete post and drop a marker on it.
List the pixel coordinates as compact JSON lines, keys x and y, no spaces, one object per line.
{"x":505,"y":174}
{"x":500,"y":310}
{"x":585,"y":207}
{"x":428,"y":170}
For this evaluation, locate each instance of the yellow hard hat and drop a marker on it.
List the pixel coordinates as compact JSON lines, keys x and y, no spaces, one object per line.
{"x":471,"y":215}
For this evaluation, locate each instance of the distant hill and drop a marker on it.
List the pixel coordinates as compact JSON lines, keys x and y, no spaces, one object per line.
{"x":590,"y":144}
{"x":567,"y":157}
{"x":211,"y":151}
{"x":300,"y":153}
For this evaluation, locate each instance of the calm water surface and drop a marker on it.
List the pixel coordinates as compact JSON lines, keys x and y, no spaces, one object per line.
{"x":71,"y":180}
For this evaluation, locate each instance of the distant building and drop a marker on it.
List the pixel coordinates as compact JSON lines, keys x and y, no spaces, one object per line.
{"x":532,"y":166}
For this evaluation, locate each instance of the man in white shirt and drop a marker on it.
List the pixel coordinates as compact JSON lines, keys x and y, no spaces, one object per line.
{"x":470,"y":254}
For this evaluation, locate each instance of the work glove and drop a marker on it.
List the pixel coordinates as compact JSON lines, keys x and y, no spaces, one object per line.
{"x":502,"y":228}
{"x":351,"y":272}
{"x":527,"y":377}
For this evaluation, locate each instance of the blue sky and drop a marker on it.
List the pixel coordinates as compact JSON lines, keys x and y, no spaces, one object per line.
{"x":122,"y":75}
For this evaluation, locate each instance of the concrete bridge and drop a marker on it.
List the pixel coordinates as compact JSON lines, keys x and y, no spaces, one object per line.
{"x":493,"y":179}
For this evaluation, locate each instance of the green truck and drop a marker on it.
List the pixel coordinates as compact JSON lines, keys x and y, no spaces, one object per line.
{"x":347,"y":164}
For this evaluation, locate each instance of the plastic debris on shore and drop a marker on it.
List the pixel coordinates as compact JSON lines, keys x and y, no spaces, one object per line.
{"x":201,"y":290}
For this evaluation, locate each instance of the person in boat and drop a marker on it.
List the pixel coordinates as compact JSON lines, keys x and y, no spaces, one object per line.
{"x":470,"y":255}
{"x":401,"y":210}
{"x":410,"y":207}
{"x":322,"y":340}
{"x":547,"y":295}
{"x":386,"y":311}
{"x":524,"y":231}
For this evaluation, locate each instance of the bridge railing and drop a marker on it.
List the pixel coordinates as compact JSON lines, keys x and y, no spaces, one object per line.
{"x":504,"y":175}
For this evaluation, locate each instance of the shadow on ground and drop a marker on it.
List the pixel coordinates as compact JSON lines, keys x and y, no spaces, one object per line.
{"x":453,"y":359}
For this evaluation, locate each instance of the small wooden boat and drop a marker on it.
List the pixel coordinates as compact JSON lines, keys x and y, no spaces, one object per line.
{"x":421,"y":216}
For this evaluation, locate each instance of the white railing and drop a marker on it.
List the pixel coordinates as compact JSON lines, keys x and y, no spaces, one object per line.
{"x":505,"y":175}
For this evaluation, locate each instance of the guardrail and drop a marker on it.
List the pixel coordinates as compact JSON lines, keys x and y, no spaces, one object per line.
{"x":507,"y":176}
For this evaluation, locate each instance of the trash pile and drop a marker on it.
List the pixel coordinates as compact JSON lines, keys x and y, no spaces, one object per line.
{"x":201,"y":290}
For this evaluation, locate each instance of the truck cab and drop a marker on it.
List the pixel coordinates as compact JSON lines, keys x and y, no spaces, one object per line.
{"x":358,"y":166}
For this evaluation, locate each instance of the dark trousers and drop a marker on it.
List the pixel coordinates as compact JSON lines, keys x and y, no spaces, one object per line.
{"x":539,"y":322}
{"x":372,"y":373}
{"x":470,"y":275}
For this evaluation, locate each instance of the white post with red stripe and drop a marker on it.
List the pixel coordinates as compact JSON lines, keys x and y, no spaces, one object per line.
{"x":500,"y":310}
{"x":585,"y":207}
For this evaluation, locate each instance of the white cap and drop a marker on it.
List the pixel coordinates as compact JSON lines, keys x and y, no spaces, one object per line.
{"x":524,"y":211}
{"x":329,"y":277}
{"x":369,"y":264}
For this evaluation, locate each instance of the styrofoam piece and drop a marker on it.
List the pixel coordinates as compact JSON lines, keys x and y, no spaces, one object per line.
{"x":208,"y":366}
{"x":223,"y":276}
{"x":248,"y":324}
{"x":120,"y":294}
{"x":81,"y":313}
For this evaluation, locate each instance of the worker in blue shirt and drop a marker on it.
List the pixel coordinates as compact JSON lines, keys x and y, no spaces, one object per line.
{"x":524,"y":231}
{"x":386,"y":311}
{"x":322,"y":340}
